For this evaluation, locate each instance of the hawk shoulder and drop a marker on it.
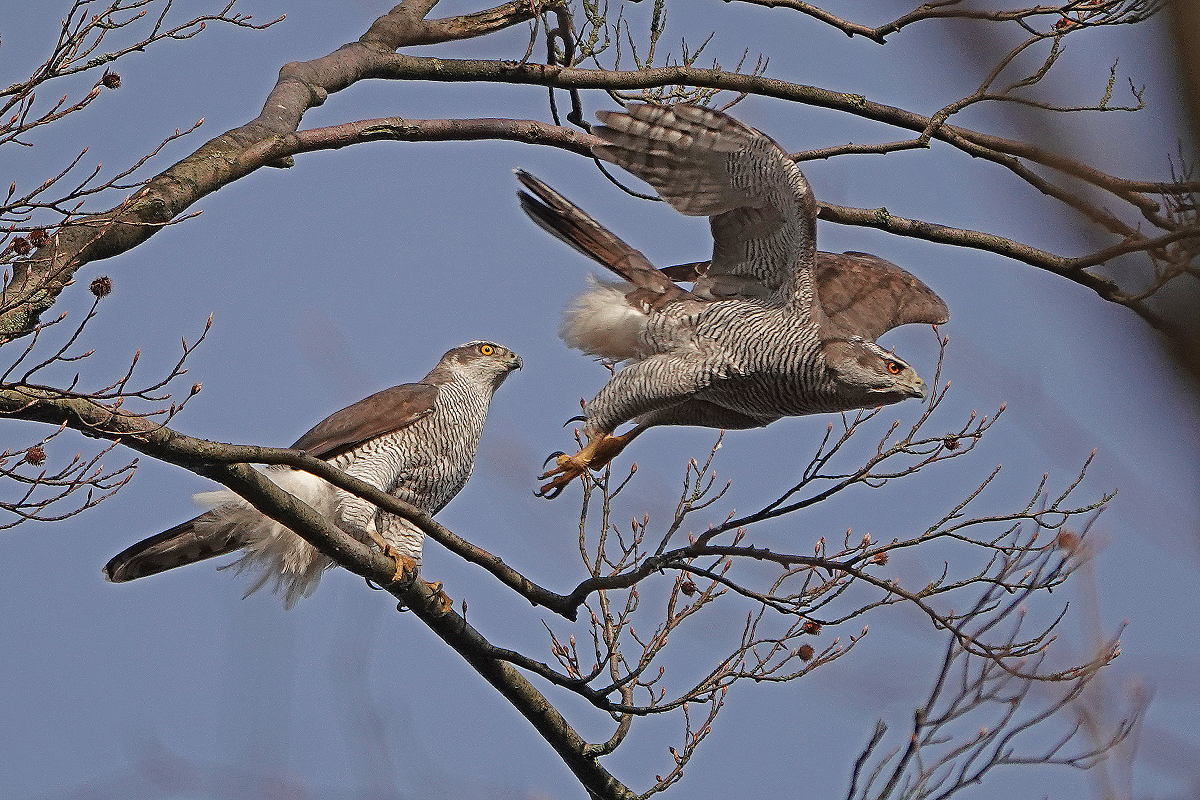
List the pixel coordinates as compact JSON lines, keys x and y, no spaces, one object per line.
{"x":382,"y":413}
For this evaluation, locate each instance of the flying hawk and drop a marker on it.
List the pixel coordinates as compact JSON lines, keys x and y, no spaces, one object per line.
{"x":772,"y":328}
{"x":416,"y":441}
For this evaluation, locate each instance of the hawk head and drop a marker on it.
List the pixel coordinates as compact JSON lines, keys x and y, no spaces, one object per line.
{"x":480,"y":362}
{"x":866,"y":375}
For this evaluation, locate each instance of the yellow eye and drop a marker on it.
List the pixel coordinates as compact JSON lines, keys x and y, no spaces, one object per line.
{"x":486,"y":349}
{"x":894,"y":367}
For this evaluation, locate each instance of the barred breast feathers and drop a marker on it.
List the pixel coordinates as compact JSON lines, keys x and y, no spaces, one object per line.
{"x":601,"y":322}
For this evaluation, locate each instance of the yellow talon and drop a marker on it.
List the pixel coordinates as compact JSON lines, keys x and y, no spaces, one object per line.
{"x":405,"y":565}
{"x":600,"y":449}
{"x":442,"y":601}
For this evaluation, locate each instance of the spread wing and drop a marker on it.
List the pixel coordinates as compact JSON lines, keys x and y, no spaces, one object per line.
{"x":867,"y":296}
{"x":862,"y":294}
{"x":374,"y":416}
{"x":705,"y":163}
{"x":560,"y":217}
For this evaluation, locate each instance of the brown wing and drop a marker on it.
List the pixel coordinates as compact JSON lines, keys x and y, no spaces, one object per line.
{"x":374,"y":416}
{"x":705,"y":163}
{"x":862,"y":294}
{"x":381,"y":413}
{"x":867,"y":296}
{"x":560,"y":217}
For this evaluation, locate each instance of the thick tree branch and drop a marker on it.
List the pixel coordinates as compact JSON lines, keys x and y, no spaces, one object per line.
{"x":37,"y":281}
{"x":534,"y":706}
{"x":809,"y":590}
{"x":225,"y":464}
{"x":527,"y":131}
{"x":272,"y":137}
{"x":406,"y":67}
{"x":210,"y":459}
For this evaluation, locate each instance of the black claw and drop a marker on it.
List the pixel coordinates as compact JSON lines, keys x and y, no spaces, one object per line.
{"x":554,"y":492}
{"x":579,"y":418}
{"x":553,"y":455}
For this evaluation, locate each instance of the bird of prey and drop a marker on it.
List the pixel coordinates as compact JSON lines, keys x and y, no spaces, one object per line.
{"x":416,"y":441}
{"x":772,"y":328}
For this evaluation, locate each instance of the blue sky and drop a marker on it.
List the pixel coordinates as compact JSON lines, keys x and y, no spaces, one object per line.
{"x":354,"y":270}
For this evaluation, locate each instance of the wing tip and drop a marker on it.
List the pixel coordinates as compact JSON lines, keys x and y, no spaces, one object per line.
{"x":524,"y":176}
{"x":113,"y":572}
{"x":124,"y":567}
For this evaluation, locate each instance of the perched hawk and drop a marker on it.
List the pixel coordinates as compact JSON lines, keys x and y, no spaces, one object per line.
{"x":772,"y":328}
{"x":415,"y":441}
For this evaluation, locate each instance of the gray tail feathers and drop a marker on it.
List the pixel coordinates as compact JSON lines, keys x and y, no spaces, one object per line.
{"x":563,"y":219}
{"x":180,"y":545}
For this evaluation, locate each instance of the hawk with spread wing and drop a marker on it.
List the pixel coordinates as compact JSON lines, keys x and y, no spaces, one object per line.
{"x":772,"y":328}
{"x":416,"y":441}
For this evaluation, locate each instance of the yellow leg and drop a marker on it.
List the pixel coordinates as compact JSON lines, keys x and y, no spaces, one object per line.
{"x":600,"y":449}
{"x":405,"y":565}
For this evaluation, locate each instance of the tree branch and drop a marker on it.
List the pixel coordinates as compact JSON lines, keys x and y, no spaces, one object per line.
{"x":225,"y":464}
{"x":272,"y":137}
{"x":211,"y":459}
{"x":37,"y":281}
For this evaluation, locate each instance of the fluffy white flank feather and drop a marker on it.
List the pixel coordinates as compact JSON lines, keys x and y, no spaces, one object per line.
{"x":601,"y":322}
{"x":271,"y":549}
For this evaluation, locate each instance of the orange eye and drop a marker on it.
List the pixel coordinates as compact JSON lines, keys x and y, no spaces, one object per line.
{"x":894,"y":367}
{"x":486,"y":349}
